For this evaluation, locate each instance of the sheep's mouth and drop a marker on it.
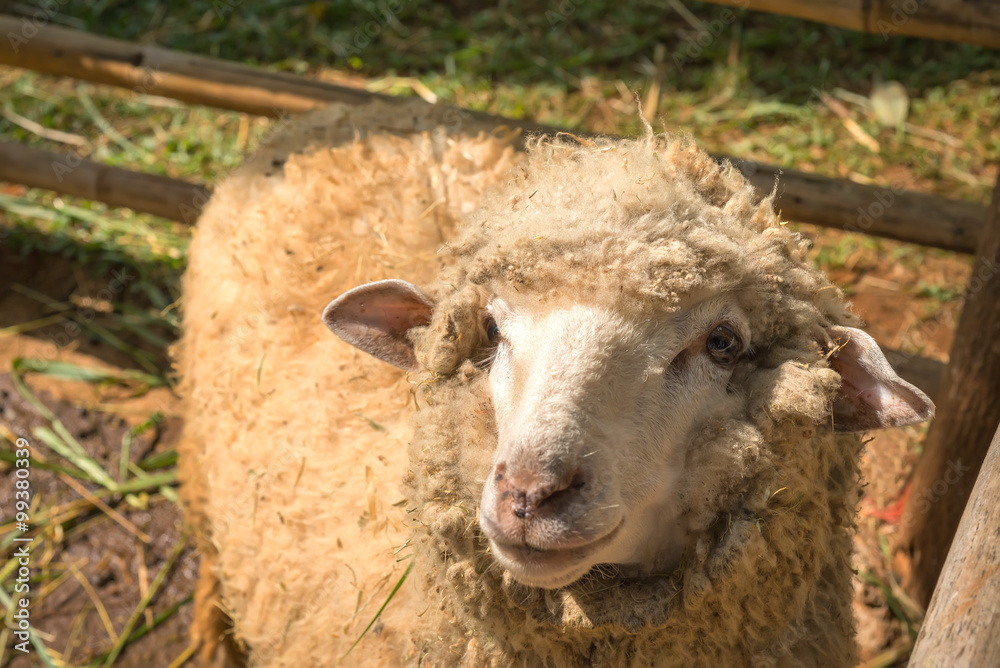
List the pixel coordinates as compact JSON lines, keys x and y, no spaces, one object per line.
{"x":551,"y":567}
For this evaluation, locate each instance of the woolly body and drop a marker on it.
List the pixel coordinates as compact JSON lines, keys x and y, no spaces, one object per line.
{"x":277,"y":438}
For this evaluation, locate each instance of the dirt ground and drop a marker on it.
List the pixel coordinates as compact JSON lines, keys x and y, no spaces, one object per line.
{"x":898,"y":289}
{"x":91,"y":570}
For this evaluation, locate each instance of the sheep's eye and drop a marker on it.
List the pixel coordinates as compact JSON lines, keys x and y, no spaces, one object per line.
{"x":492,"y":331}
{"x":724,"y":345}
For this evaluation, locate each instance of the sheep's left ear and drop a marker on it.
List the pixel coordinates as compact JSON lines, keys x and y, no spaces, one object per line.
{"x":377,"y":318}
{"x":871,"y":395}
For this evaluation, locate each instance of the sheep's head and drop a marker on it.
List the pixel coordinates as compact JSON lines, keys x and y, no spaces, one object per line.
{"x":626,"y":301}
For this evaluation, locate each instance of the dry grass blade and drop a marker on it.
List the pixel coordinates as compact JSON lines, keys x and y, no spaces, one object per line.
{"x":918,"y":130}
{"x":143,"y":579}
{"x":687,"y":15}
{"x":102,"y":612}
{"x":412,"y":83}
{"x":123,"y":639}
{"x":146,"y":628}
{"x":856,"y":131}
{"x":42,"y":131}
{"x":108,"y":510}
{"x":74,"y":632}
{"x":14,"y":330}
{"x":378,"y":614}
{"x":68,"y":511}
{"x":106,"y":127}
{"x":185,"y":656}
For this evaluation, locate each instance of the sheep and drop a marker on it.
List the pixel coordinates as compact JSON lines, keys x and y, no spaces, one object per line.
{"x":635,"y":422}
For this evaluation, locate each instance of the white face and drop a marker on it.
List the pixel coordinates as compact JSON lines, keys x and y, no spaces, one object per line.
{"x":595,"y":413}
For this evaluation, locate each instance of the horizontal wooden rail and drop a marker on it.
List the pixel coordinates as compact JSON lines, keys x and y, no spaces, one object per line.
{"x":929,"y":220}
{"x":907,"y":216}
{"x":968,"y":21}
{"x":150,"y":69}
{"x":70,"y":175}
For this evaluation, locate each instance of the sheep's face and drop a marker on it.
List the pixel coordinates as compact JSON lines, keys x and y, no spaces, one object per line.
{"x":600,"y":410}
{"x":643,"y":334}
{"x":594,"y":411}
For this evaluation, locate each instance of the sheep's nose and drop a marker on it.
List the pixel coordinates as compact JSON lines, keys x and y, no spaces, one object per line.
{"x":525,"y":492}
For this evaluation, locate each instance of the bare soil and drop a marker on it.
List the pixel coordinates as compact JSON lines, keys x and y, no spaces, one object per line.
{"x":89,"y":546}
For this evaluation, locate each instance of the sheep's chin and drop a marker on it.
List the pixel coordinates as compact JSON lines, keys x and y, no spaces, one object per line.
{"x":547,"y":569}
{"x":553,"y":568}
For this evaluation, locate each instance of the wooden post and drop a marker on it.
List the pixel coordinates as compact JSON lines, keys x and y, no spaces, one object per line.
{"x":962,"y":627}
{"x":968,"y":409}
{"x":71,"y":175}
{"x":969,"y":21}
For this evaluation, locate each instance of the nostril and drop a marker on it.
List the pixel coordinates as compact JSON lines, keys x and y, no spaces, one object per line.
{"x":525,"y":492}
{"x":567,"y":489}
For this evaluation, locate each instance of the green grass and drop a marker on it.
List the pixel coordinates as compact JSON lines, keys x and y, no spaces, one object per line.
{"x":52,"y":524}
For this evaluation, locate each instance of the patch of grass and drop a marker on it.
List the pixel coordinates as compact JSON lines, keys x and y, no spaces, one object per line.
{"x":99,"y":497}
{"x":939,"y":293}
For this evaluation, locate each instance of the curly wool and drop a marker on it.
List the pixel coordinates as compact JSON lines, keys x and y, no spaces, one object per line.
{"x":651,"y":225}
{"x":279,"y":442}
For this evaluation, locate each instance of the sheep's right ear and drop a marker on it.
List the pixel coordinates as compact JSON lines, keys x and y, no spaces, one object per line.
{"x":376,"y":318}
{"x":871,"y":395}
